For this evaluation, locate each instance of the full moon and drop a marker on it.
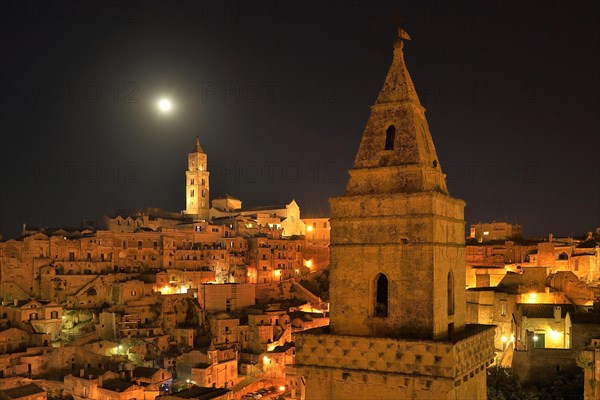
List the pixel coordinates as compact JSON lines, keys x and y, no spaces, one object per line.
{"x":165,"y":105}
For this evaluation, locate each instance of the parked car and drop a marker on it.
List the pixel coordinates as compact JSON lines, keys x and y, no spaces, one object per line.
{"x":272,"y":389}
{"x":263,"y":391}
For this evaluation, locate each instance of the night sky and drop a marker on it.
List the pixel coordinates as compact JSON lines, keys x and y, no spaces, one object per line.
{"x":279,"y":93}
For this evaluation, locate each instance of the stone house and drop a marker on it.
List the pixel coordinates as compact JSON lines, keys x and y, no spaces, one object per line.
{"x":224,"y":330}
{"x":226,"y":297}
{"x":494,"y":306}
{"x":153,"y":380}
{"x":85,"y":384}
{"x":209,"y":368}
{"x":544,"y":326}
{"x":275,"y":259}
{"x":120,"y":389}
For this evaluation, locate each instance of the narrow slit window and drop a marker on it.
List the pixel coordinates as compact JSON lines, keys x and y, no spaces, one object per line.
{"x":390,"y":137}
{"x":450,"y":293}
{"x":381,"y":296}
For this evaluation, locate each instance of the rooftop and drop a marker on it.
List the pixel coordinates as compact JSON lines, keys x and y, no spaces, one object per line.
{"x":199,"y":393}
{"x":545,"y":310}
{"x":21,"y":392}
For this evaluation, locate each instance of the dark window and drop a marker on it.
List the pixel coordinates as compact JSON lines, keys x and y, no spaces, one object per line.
{"x":381,"y":296}
{"x":390,"y":136}
{"x":563,"y":256}
{"x":450,"y":289}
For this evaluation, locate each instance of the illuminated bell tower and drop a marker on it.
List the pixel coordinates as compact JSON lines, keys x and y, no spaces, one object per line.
{"x":397,"y":271}
{"x":197,"y":184}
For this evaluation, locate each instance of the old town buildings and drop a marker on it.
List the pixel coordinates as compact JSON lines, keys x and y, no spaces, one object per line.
{"x":145,"y":300}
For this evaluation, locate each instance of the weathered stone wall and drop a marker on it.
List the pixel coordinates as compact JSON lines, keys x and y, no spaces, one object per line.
{"x":415,"y":240}
{"x":343,"y":367}
{"x":536,"y":363}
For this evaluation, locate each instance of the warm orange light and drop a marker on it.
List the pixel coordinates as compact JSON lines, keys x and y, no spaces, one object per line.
{"x":309,"y":228}
{"x":282,"y":388}
{"x":308,"y":263}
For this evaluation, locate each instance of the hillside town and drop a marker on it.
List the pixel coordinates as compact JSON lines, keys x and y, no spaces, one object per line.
{"x":212,"y":302}
{"x":151,"y":304}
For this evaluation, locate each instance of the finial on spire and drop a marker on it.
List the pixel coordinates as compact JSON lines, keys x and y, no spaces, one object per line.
{"x":402,"y":35}
{"x":197,"y":147}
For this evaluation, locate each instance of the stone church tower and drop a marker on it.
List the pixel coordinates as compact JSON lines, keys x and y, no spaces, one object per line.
{"x":397,"y":288}
{"x":197,"y":184}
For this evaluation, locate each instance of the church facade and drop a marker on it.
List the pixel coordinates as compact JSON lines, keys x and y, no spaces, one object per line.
{"x":397,"y":286}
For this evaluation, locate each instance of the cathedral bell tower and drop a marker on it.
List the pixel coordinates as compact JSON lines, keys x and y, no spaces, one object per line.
{"x":397,"y":280}
{"x":197,"y":184}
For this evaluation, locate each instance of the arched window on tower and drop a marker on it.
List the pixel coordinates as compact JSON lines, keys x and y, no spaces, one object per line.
{"x":390,"y":136}
{"x":450,"y":293}
{"x":562,"y":256}
{"x":381,"y":296}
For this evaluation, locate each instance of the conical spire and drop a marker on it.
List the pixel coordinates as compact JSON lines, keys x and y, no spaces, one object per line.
{"x":197,"y":147}
{"x":398,"y":86}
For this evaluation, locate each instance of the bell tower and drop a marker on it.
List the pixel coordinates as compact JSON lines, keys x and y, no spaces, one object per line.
{"x":397,"y":236}
{"x":397,"y":280}
{"x":197,"y":184}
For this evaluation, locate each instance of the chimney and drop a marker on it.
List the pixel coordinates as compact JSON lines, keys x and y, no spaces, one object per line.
{"x":557,"y":313}
{"x":550,"y":238}
{"x":15,"y":302}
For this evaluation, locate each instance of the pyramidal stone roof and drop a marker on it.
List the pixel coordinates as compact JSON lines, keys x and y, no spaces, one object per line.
{"x":396,"y":152}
